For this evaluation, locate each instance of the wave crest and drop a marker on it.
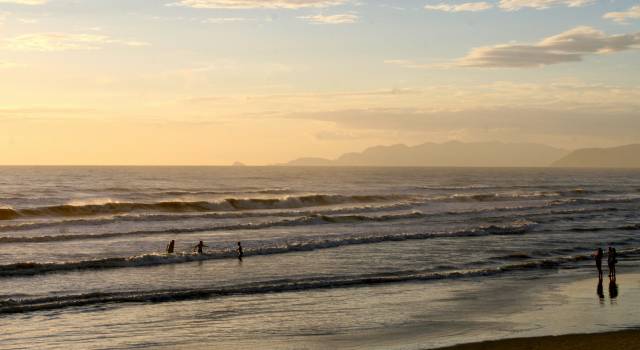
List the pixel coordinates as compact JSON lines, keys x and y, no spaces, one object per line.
{"x":34,"y":268}
{"x":300,"y":221}
{"x":280,"y":285}
{"x":229,"y":204}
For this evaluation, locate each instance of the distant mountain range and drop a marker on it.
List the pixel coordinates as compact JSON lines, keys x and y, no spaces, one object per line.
{"x":482,"y":154}
{"x":627,"y":156}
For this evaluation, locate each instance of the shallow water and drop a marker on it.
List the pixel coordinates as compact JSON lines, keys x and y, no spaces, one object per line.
{"x":90,"y":241}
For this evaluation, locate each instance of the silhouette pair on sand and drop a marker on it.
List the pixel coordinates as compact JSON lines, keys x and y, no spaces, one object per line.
{"x":612,"y":260}
{"x":199,"y":248}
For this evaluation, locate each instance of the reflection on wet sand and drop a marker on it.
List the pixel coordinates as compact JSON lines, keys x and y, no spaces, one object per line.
{"x":613,"y":290}
{"x":600,"y":291}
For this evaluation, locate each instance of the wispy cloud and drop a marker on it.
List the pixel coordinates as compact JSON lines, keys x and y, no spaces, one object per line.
{"x":221,"y":20}
{"x":340,"y":135}
{"x":409,"y":63}
{"x":623,"y":17}
{"x":345,"y":18}
{"x":570,"y":46}
{"x":4,"y":15}
{"x":253,"y":4}
{"x":24,"y":2}
{"x":51,"y":41}
{"x":514,"y":5}
{"x":464,"y":7}
{"x":10,"y":65}
{"x":28,"y":20}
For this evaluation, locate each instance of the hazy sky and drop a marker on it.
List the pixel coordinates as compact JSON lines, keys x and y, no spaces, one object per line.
{"x":265,"y":81}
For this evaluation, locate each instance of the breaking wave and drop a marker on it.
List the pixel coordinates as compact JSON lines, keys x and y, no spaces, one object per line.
{"x":300,"y":221}
{"x":292,"y":213}
{"x":34,"y":268}
{"x":229,"y":204}
{"x":149,"y":217}
{"x":280,"y":285}
{"x":578,"y":201}
{"x":510,"y":196}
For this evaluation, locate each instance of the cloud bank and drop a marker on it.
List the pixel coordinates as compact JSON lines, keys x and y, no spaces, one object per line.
{"x":625,"y":16}
{"x":570,"y":46}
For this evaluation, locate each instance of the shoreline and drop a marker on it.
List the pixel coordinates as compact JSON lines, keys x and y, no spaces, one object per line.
{"x":621,"y":340}
{"x":576,"y":321}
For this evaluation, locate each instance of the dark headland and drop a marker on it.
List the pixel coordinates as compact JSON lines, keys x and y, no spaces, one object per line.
{"x":627,"y":156}
{"x":449,"y":154}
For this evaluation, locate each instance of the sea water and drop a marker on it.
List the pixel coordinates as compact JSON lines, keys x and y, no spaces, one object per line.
{"x":329,"y":253}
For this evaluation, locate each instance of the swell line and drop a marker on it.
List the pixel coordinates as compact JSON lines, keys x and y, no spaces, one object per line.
{"x":35,"y":268}
{"x":229,"y":204}
{"x":280,"y":285}
{"x":301,"y":221}
{"x":211,"y":215}
{"x":405,"y":205}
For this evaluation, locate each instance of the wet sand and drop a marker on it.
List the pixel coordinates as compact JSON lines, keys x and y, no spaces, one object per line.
{"x":580,"y":314}
{"x":622,"y":340}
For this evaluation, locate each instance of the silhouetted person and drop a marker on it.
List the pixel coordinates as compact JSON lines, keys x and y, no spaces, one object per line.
{"x":613,"y":289}
{"x":599,"y":289}
{"x":615,"y":261}
{"x":611,"y":261}
{"x":171,"y":246}
{"x":199,"y":247}
{"x":239,"y":251}
{"x":598,"y":255}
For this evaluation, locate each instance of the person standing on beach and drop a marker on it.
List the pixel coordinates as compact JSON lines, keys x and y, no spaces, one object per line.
{"x":611,"y":261}
{"x":239,"y":251}
{"x":598,"y":255}
{"x":171,"y":246}
{"x":199,"y":247}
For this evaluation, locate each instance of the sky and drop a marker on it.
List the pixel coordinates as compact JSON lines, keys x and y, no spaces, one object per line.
{"x":211,"y":82}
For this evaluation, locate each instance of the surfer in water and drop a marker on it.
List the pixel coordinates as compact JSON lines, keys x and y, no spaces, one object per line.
{"x":598,"y":255}
{"x":239,"y":251}
{"x":199,"y":247}
{"x":171,"y":246}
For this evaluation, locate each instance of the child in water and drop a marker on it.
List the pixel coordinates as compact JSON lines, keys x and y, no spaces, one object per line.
{"x":239,"y":251}
{"x":199,"y":247}
{"x":171,"y":246}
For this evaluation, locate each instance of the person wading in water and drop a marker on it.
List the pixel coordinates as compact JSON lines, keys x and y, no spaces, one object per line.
{"x":171,"y":246}
{"x":199,"y":247}
{"x":239,"y":251}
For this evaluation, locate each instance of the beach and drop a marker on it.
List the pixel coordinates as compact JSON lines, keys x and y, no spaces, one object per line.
{"x":569,"y":323}
{"x":612,"y":340}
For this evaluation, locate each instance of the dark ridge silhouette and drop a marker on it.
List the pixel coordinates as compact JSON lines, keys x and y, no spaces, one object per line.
{"x":627,"y":156}
{"x":480,"y":154}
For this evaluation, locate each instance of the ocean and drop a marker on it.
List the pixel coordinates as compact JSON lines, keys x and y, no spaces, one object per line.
{"x":333,"y":257}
